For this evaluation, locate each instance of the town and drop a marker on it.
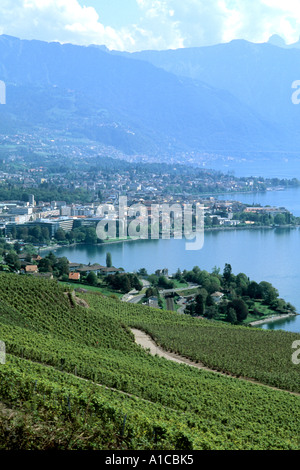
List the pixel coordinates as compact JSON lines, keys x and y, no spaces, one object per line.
{"x":59,"y":201}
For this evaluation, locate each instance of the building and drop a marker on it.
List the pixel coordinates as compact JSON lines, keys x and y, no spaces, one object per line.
{"x":36,"y":258}
{"x":217,"y":297}
{"x":108,"y":271}
{"x":74,"y":276}
{"x":31,"y":268}
{"x":31,"y":200}
{"x":74,"y":266}
{"x":21,"y":210}
{"x":95,"y":268}
{"x":52,"y":225}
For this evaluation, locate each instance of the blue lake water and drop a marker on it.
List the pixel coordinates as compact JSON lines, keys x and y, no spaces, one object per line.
{"x":264,"y":254}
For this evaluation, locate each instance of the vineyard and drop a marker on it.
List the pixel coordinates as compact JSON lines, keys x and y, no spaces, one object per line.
{"x":78,"y":373}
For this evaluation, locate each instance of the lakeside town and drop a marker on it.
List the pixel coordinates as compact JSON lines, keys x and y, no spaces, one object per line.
{"x":220,"y":296}
{"x":60,"y":196}
{"x":32,"y":230}
{"x":45,"y":223}
{"x":48,"y":206}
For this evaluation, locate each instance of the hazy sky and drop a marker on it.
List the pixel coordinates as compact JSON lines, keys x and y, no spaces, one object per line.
{"x":150,"y":24}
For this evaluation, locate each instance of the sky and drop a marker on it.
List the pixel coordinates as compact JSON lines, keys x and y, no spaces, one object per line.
{"x":134,"y":25}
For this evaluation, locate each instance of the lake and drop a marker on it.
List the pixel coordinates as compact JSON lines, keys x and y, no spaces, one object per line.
{"x":271,"y":255}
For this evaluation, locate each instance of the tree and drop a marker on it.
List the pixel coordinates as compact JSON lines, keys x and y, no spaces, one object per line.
{"x":153,"y":279}
{"x":28,"y":258}
{"x":60,"y":235}
{"x":254,"y":290}
{"x":52,"y":258}
{"x":209,"y":302}
{"x":280,"y":219}
{"x":125,"y":284}
{"x":211,"y":312}
{"x":17,"y":247}
{"x":36,"y":233}
{"x":227,"y":273}
{"x":231,"y":316}
{"x":216,"y":271}
{"x":45,"y":233}
{"x":13,"y":232}
{"x":268,"y":292}
{"x":240,"y":308}
{"x":142,"y":272}
{"x":62,"y":266}
{"x":92,"y":279}
{"x":164,"y":283}
{"x":45,"y":265}
{"x":91,"y":236}
{"x":12,"y":260}
{"x":199,"y":307}
{"x":135,"y":282}
{"x":149,"y":292}
{"x":213,"y":285}
{"x":108,"y":260}
{"x":79,"y":235}
{"x":30,"y":249}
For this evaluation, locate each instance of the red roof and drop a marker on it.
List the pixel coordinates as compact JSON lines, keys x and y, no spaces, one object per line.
{"x":74,"y":276}
{"x":31,"y":269}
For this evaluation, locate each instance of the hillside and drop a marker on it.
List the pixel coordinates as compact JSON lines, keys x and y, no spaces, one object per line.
{"x":75,"y":378}
{"x":131,"y":105}
{"x":258,"y":75}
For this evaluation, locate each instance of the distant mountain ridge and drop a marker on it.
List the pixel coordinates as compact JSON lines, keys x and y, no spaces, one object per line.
{"x":259,"y":75}
{"x":189,"y":100}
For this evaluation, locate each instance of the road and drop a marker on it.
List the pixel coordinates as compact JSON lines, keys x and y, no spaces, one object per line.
{"x":136,"y":299}
{"x":147,"y":343}
{"x":170,"y":303}
{"x":180,"y":289}
{"x":133,"y":297}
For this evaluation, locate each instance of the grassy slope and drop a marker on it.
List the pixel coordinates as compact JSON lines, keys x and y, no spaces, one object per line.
{"x":53,"y":343}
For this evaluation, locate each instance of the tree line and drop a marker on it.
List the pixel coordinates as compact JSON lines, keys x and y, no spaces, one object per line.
{"x":236,"y":297}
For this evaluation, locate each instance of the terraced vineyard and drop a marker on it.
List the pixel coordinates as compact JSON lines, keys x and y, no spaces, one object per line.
{"x":78,"y":372}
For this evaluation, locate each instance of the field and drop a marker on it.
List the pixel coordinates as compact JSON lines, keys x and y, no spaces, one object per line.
{"x":74,"y":377}
{"x":102,"y":289}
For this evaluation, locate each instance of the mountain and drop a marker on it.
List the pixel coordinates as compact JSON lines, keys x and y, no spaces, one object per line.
{"x":277,"y":40}
{"x":258,"y":75}
{"x":178,"y":104}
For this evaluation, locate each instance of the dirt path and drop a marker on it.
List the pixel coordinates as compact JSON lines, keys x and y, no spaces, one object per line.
{"x":147,"y":342}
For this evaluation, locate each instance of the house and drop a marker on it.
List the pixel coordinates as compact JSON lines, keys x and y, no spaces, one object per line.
{"x":74,"y":266}
{"x":153,"y":302}
{"x":107,"y":271}
{"x":93,"y":268}
{"x":162,"y":272}
{"x":36,"y":258}
{"x":217,"y":297}
{"x":31,"y":268}
{"x":23,"y":256}
{"x":74,"y":276}
{"x":24,"y":264}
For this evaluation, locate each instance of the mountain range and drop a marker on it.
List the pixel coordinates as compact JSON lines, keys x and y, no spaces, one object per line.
{"x":224,"y":99}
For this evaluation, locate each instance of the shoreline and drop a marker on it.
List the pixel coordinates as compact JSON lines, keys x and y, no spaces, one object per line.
{"x":256,"y":191}
{"x":206,"y":229}
{"x":273,"y":319}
